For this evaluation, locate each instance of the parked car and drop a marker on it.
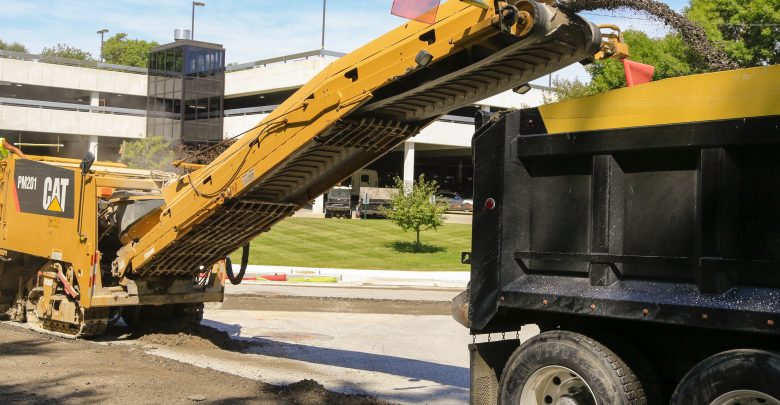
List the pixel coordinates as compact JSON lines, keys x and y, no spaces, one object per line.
{"x":455,"y":202}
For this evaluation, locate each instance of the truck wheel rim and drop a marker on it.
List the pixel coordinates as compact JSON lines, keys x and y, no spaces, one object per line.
{"x":745,"y":397}
{"x":556,"y":385}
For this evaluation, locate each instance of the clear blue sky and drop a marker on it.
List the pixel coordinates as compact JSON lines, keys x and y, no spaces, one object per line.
{"x":249,"y":29}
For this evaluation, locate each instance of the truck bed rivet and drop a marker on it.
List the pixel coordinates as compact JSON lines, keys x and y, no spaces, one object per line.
{"x":592,"y":307}
{"x":770,"y":322}
{"x":544,"y":302}
{"x":704,"y":316}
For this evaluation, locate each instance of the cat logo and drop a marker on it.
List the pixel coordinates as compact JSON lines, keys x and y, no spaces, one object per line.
{"x":55,"y":194}
{"x":43,"y":189}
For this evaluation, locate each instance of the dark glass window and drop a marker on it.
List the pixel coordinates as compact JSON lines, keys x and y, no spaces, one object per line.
{"x":186,"y":93}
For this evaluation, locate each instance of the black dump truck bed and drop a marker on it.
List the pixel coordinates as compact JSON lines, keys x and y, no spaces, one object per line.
{"x":674,"y":224}
{"x":640,"y":231}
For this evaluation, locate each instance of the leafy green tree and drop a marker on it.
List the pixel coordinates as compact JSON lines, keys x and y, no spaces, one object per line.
{"x":566,"y":89}
{"x":120,"y":50}
{"x":151,"y":153}
{"x":67,"y":52}
{"x":748,"y":30}
{"x":13,"y":46}
{"x":415,"y":207}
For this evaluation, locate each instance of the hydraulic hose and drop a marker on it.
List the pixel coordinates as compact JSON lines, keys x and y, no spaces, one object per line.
{"x":236,"y":280}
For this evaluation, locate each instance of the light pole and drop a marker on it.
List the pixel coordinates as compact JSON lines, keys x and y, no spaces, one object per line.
{"x":322,"y":46}
{"x":192,"y":27}
{"x":101,"y":32}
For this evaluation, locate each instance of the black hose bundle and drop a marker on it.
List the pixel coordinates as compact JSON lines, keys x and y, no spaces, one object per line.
{"x":236,"y":280}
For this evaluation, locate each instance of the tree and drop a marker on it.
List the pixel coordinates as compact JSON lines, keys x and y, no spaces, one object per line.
{"x":128,"y":52}
{"x":67,"y":52}
{"x":415,"y":208}
{"x":669,"y":54}
{"x":566,"y":89}
{"x":13,"y":46}
{"x":151,"y":153}
{"x":747,"y":30}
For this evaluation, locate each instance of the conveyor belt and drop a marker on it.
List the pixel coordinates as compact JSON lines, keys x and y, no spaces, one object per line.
{"x":398,"y":111}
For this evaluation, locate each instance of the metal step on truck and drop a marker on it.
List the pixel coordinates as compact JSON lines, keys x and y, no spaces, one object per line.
{"x":639,"y":230}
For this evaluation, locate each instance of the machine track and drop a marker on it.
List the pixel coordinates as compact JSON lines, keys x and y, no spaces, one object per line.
{"x":93,"y":320}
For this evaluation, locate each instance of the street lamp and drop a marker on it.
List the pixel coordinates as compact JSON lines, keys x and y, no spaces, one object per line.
{"x":101,"y":32}
{"x":192,"y":28}
{"x":322,"y":46}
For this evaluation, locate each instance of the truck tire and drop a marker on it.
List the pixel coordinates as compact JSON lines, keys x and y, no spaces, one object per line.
{"x":743,"y":376}
{"x":567,"y":367}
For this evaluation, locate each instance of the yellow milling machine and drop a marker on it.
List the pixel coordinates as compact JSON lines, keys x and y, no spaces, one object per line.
{"x":83,"y":240}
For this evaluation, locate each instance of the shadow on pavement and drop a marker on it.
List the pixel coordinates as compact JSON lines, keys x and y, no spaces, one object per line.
{"x":413,"y":369}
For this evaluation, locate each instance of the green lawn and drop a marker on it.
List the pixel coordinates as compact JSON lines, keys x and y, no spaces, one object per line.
{"x":358,"y":244}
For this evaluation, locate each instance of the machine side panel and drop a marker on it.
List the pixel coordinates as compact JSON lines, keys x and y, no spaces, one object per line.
{"x":42,"y":206}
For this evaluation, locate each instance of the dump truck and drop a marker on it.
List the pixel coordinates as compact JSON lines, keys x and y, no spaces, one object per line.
{"x":639,"y":231}
{"x":375,"y":200}
{"x":85,"y":242}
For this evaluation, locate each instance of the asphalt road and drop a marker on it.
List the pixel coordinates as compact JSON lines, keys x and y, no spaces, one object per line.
{"x":396,"y":345}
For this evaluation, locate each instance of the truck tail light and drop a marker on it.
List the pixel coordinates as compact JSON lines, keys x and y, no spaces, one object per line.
{"x":490,"y":204}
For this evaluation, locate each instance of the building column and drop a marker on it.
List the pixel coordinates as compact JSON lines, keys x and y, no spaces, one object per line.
{"x":319,"y":205}
{"x":408,"y":163}
{"x":94,"y":99}
{"x":93,"y":145}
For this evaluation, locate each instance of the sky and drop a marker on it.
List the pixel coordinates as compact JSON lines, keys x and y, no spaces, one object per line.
{"x":248,"y":29}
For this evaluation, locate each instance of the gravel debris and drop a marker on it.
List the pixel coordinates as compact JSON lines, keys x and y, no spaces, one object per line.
{"x":310,"y":392}
{"x":190,"y":336}
{"x":708,"y":55}
{"x":196,"y":398}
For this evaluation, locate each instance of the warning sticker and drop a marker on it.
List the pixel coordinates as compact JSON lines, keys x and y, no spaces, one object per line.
{"x":248,"y":177}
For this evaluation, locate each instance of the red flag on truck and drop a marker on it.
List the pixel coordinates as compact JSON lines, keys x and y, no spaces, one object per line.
{"x":637,"y":73}
{"x":418,"y":10}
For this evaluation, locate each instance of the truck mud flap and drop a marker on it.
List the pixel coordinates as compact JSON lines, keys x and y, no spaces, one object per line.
{"x":487,"y":364}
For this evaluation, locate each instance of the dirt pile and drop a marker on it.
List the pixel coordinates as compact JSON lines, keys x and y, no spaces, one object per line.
{"x":310,"y":392}
{"x":709,"y":56}
{"x":190,"y":336}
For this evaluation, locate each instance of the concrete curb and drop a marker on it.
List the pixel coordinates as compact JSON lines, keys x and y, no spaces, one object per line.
{"x":446,"y":279}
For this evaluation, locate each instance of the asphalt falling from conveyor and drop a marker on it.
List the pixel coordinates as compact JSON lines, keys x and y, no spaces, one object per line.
{"x":709,"y":56}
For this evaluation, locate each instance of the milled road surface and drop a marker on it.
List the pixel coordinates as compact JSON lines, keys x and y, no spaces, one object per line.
{"x":39,"y":369}
{"x":396,"y":345}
